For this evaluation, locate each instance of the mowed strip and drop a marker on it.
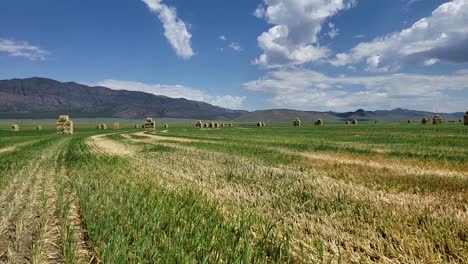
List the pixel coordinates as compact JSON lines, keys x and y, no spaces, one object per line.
{"x":29,"y":220}
{"x":102,"y":145}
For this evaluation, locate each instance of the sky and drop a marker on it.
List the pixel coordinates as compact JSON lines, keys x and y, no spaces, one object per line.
{"x":323,"y":55}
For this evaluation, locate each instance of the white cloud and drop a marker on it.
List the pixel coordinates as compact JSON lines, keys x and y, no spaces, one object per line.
{"x":175,"y":91}
{"x":333,"y":31}
{"x":311,"y":90}
{"x":22,"y":49}
{"x":236,"y":47}
{"x":223,"y":38}
{"x":293,"y":39}
{"x":175,"y":29}
{"x":441,"y":37}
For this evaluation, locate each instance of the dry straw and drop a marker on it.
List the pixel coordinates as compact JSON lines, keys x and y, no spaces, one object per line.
{"x":296,"y":122}
{"x":149,"y":124}
{"x":64,"y":125}
{"x":14,"y":127}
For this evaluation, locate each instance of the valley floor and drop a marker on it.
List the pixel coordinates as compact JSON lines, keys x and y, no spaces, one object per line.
{"x":386,"y":193}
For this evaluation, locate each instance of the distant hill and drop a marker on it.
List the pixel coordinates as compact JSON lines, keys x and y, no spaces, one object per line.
{"x":44,"y":98}
{"x":287,"y":115}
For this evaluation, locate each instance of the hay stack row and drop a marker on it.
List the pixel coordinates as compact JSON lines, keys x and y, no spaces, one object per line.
{"x":64,"y":125}
{"x":200,"y":124}
{"x":149,"y":124}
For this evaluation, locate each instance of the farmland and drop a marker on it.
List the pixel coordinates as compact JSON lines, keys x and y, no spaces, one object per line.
{"x":335,"y":193}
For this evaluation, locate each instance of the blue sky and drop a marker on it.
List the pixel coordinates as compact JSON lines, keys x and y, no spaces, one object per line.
{"x":335,"y":55}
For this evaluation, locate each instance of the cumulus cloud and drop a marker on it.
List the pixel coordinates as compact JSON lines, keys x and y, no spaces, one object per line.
{"x":333,"y":31}
{"x":175,"y":91}
{"x":22,"y":49}
{"x":441,"y":37}
{"x":236,"y":47}
{"x":293,"y":39}
{"x":175,"y":29}
{"x":311,"y":90}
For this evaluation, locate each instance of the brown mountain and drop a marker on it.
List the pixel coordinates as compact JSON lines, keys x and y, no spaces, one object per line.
{"x":43,"y":98}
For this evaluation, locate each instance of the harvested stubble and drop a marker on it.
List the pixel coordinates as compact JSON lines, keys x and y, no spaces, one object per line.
{"x":14,"y":127}
{"x":199,"y":124}
{"x":116,"y":125}
{"x":465,"y":117}
{"x":64,"y":125}
{"x":149,"y":124}
{"x":354,"y":122}
{"x":318,"y":122}
{"x":437,"y":120}
{"x":296,"y":122}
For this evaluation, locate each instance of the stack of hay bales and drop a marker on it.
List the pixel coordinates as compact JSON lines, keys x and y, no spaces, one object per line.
{"x":425,"y":121}
{"x":39,"y":128}
{"x":149,"y":124}
{"x":296,"y":122}
{"x":230,"y":124}
{"x":166,"y":126}
{"x":259,"y":124}
{"x":102,"y":126}
{"x":14,"y":127}
{"x":64,"y":125}
{"x":216,"y":125}
{"x":222,"y":125}
{"x":409,"y":121}
{"x":437,"y":120}
{"x":211,"y":124}
{"x":116,"y":125}
{"x":318,"y":122}
{"x":199,"y":124}
{"x":354,"y":121}
{"x":465,"y":118}
{"x":205,"y":125}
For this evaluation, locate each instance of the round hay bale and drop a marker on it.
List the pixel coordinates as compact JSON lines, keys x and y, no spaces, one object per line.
{"x":347,"y":122}
{"x":354,"y":121}
{"x":166,"y":126}
{"x":259,"y":124}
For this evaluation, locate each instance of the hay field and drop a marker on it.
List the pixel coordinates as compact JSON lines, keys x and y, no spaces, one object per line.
{"x":380,"y":193}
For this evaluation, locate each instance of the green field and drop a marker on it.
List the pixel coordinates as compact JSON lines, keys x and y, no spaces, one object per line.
{"x":387,"y":193}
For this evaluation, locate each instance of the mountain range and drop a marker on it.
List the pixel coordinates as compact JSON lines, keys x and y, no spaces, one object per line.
{"x":46,"y":98}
